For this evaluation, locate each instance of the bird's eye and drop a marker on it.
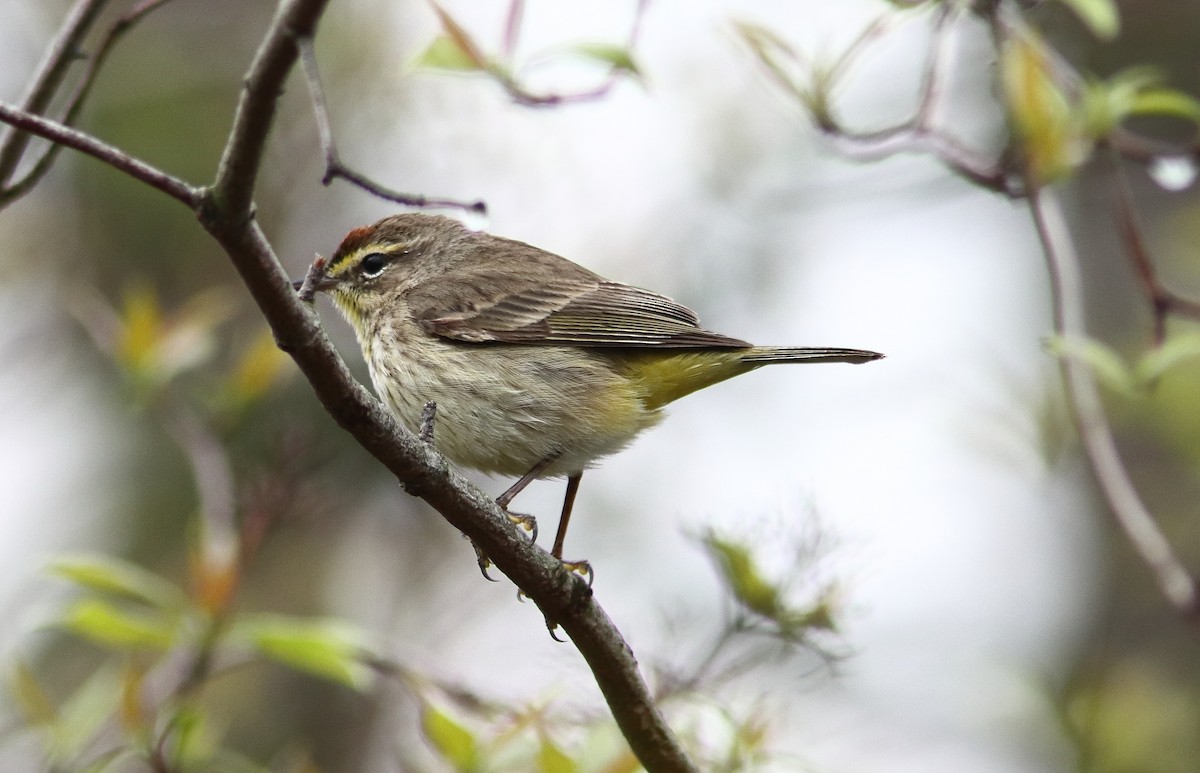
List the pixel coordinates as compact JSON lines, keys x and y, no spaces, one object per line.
{"x":372,"y":265}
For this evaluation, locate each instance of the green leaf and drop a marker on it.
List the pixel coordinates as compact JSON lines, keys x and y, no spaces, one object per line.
{"x":1104,"y":361}
{"x":155,"y":347}
{"x":552,"y":759}
{"x":450,"y":739}
{"x":116,"y":577}
{"x":1107,"y":103}
{"x":126,"y":757}
{"x":103,"y":623}
{"x":1169,"y":102}
{"x":330,"y":649}
{"x":195,"y":740}
{"x":31,"y":698}
{"x":616,"y":56}
{"x":1135,"y":91}
{"x":820,"y":616}
{"x":1100,"y":16}
{"x":1050,"y":127}
{"x":461,"y":39}
{"x":83,"y":714}
{"x":1173,"y":352}
{"x":444,"y":54}
{"x":782,"y":61}
{"x":743,"y":577}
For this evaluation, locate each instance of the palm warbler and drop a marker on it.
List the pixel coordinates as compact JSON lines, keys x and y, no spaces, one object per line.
{"x":538,"y":366}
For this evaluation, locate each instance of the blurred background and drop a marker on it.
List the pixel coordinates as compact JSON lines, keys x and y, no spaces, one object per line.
{"x":990,"y":619}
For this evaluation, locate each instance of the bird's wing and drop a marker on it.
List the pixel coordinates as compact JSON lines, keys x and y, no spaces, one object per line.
{"x":576,"y":311}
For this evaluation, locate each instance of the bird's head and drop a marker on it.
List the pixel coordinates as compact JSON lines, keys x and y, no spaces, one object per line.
{"x":376,"y":263}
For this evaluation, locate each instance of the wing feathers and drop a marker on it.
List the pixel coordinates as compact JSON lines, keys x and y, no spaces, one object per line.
{"x":580,"y":311}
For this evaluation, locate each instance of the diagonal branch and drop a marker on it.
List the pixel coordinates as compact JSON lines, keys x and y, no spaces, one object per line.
{"x":85,"y":143}
{"x":237,"y":173}
{"x":226,"y":212}
{"x":63,"y":51}
{"x":1163,"y":301}
{"x":44,"y":85}
{"x":562,"y":596}
{"x":1174,"y":580}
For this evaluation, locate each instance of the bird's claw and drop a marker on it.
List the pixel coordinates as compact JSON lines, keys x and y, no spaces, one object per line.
{"x":584,"y":570}
{"x":581,"y":568}
{"x":484,"y":563}
{"x":524,"y":522}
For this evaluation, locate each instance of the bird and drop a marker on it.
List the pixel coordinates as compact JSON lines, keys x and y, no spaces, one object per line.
{"x":538,"y":367}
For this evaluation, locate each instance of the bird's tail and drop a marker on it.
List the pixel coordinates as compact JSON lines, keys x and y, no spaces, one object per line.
{"x":765,"y":355}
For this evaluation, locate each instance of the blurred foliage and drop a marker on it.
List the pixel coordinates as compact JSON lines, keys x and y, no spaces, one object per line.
{"x":1073,"y":74}
{"x":1130,"y":717}
{"x":763,"y":598}
{"x":207,"y":647}
{"x":457,"y":50}
{"x":1060,"y":123}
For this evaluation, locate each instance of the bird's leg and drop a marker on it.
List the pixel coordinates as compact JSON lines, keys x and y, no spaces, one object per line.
{"x":526,"y":522}
{"x":525,"y":480}
{"x":580,"y":567}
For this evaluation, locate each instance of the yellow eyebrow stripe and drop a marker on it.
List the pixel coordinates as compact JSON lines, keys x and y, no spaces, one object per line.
{"x":343,"y":260}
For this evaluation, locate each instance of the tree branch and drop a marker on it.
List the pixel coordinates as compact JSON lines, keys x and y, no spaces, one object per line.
{"x":1173,"y":578}
{"x":334,"y":167}
{"x":226,"y":211}
{"x":1005,"y":176}
{"x":1163,"y":301}
{"x":56,"y":64}
{"x":919,"y":134}
{"x":45,"y":83}
{"x":114,"y":157}
{"x":562,"y":596}
{"x":237,"y":173}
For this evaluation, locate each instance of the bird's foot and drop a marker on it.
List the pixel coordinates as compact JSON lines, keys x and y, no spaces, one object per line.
{"x":525,"y":522}
{"x":581,"y":568}
{"x":484,"y":562}
{"x":584,"y":570}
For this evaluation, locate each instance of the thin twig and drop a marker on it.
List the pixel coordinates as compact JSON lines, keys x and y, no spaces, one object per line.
{"x":49,"y":76}
{"x":918,"y":134}
{"x":74,"y":103}
{"x":1139,"y":526}
{"x":526,"y":98}
{"x":1145,"y":150}
{"x":334,"y":168}
{"x":211,"y":471}
{"x":1163,"y":301}
{"x":316,"y":93}
{"x":316,"y":272}
{"x":114,"y":157}
{"x":937,"y":63}
{"x":428,"y":419}
{"x":405,"y":199}
{"x":512,"y":28}
{"x":241,"y":161}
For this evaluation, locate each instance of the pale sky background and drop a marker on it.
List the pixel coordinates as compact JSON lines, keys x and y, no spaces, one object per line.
{"x":966,"y":564}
